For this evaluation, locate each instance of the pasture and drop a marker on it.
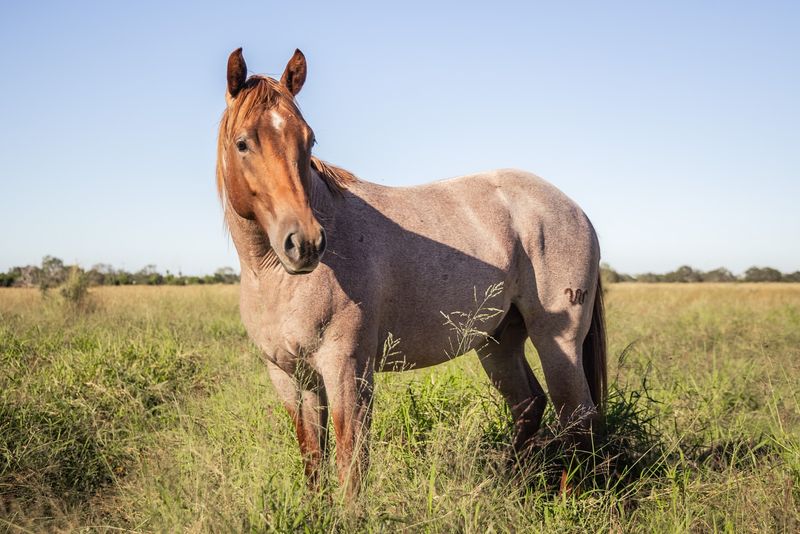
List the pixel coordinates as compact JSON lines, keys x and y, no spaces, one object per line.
{"x":148,"y":409}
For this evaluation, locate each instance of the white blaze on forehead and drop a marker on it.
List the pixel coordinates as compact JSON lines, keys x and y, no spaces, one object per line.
{"x":277,"y":120}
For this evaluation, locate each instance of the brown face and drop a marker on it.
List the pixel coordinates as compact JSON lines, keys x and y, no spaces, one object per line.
{"x":266,"y":154}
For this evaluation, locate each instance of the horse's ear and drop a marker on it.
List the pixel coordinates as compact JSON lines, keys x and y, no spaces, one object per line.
{"x":295,"y":74}
{"x":237,"y":72}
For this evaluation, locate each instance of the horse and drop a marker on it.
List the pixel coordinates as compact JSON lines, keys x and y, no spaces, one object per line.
{"x":332,"y":265}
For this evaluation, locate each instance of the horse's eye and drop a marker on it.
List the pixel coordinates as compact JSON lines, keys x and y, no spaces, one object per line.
{"x":241,"y":145}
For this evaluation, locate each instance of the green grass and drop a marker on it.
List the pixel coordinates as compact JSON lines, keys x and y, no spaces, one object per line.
{"x":148,"y":410}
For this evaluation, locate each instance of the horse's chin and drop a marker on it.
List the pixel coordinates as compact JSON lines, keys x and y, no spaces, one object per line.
{"x":299,"y":273}
{"x":295,"y":271}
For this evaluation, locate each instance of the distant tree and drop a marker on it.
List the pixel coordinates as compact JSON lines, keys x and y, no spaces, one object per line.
{"x":28,"y":276}
{"x":148,"y":275}
{"x":122,"y":278}
{"x":649,"y":278}
{"x":791,"y":277}
{"x":609,"y":276}
{"x":226,"y":275}
{"x":683,"y":274}
{"x":762,"y":274}
{"x":11,"y":278}
{"x":8,"y":279}
{"x":103,"y":268}
{"x":51,"y":274}
{"x":719,"y":275}
{"x":179,"y":279}
{"x":100,"y":274}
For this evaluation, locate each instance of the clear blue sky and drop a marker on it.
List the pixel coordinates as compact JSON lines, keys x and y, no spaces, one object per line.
{"x":675,"y":126}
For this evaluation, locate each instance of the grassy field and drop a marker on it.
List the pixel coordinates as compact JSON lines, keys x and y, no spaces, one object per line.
{"x":150,"y":411}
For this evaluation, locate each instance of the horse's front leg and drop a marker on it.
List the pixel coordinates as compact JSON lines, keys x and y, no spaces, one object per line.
{"x":349,"y":382}
{"x":303,"y":395}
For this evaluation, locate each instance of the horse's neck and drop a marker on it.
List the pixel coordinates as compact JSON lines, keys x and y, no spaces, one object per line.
{"x":252,"y":243}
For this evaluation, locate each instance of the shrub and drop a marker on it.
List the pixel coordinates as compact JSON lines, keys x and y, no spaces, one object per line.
{"x":76,"y":287}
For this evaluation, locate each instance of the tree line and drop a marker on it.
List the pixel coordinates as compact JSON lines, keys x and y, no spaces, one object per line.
{"x":687,"y":274}
{"x":54,"y":272}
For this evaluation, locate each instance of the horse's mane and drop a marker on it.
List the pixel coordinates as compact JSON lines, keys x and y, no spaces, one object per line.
{"x":336,"y":178}
{"x":262,"y":93}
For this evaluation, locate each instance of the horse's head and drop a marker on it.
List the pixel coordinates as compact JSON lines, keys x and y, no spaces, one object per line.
{"x":264,"y":161}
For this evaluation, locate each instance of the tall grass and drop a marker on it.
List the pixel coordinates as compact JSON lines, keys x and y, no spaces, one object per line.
{"x":154,"y":413}
{"x":81,"y":394}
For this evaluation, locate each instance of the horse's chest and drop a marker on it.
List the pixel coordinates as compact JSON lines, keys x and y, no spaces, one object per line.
{"x":285,"y":334}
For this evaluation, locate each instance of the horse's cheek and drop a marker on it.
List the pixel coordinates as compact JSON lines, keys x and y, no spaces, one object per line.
{"x":240,"y":197}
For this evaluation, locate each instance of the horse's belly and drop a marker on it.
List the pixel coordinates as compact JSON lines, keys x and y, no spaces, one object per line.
{"x":431,"y":346}
{"x":419,"y":360}
{"x":433,"y":334}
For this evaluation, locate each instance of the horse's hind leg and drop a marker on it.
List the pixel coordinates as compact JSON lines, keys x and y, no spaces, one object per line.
{"x":303,"y":395}
{"x":560,"y":348}
{"x":505,"y":363}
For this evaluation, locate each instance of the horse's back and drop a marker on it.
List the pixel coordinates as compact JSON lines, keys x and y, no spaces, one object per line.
{"x":486,"y":215}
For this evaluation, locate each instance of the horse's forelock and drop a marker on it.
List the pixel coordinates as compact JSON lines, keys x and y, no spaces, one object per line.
{"x":258,"y":93}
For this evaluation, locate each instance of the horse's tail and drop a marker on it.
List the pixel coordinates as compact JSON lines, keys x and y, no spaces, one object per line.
{"x":594,"y":353}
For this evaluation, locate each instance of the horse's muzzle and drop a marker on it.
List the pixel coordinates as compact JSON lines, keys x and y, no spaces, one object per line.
{"x":303,"y":254}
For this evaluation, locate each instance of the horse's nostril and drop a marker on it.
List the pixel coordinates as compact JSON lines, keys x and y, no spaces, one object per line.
{"x":289,"y":245}
{"x":322,"y":242}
